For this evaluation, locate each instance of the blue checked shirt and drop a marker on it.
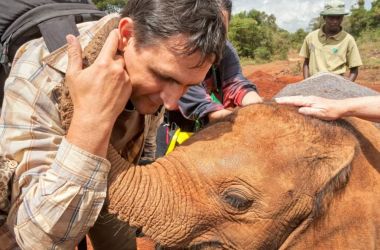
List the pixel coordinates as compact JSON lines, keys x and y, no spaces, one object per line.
{"x":58,"y":189}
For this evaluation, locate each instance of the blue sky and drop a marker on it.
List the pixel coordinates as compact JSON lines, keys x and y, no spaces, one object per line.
{"x":291,"y":15}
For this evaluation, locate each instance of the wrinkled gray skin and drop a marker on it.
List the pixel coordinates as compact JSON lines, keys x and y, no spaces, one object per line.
{"x":264,"y":178}
{"x":327,"y":85}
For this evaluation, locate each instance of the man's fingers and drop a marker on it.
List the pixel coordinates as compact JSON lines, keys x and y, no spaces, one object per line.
{"x":74,"y":51}
{"x":316,"y":112}
{"x":294,"y":100}
{"x":110,"y":46}
{"x":309,"y":111}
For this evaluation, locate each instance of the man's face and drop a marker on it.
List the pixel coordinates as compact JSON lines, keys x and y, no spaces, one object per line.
{"x":159,"y":75}
{"x":333,"y":23}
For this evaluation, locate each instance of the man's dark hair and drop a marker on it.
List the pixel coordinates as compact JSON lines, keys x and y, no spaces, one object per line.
{"x":227,"y":5}
{"x":200,"y":20}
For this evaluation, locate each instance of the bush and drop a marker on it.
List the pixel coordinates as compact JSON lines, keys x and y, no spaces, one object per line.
{"x":262,"y":53}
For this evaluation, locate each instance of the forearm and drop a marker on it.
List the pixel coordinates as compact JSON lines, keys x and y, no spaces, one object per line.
{"x":354,"y":72}
{"x":367,"y":108}
{"x":237,"y":89}
{"x":92,"y":134}
{"x":60,"y":204}
{"x":305,"y":69}
{"x":98,"y":93}
{"x":239,"y":92}
{"x":250,"y":98}
{"x":206,"y":108}
{"x":196,"y":103}
{"x":217,"y":115}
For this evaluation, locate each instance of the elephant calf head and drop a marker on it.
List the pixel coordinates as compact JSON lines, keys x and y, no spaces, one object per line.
{"x":247,"y":182}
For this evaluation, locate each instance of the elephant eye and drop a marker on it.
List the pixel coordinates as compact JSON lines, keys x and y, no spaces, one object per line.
{"x":238,"y":201}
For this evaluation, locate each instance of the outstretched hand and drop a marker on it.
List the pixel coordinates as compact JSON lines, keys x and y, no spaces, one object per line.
{"x":100,"y":91}
{"x":326,"y":109}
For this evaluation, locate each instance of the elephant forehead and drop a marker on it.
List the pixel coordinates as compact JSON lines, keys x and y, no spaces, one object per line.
{"x":252,"y":169}
{"x":260,"y":140}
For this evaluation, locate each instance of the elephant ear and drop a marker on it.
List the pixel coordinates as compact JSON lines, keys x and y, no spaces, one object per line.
{"x":330,"y":168}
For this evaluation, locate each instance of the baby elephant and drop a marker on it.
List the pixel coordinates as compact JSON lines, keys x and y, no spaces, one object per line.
{"x":266,"y":177}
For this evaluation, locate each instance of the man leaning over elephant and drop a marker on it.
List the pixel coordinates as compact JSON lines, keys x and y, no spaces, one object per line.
{"x":136,"y":63}
{"x":223,"y":89}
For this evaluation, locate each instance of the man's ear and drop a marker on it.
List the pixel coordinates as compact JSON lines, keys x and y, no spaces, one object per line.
{"x":125,"y":32}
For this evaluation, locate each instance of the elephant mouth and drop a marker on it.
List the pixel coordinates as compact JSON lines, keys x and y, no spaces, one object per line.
{"x":212,"y":245}
{"x":199,"y":246}
{"x":207,"y":245}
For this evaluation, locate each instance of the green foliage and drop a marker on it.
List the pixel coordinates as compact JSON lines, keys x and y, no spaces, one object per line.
{"x":296,"y":39}
{"x":241,"y":32}
{"x":254,"y":34}
{"x":358,"y":20}
{"x":110,"y":5}
{"x":281,"y":44}
{"x":262,"y":53}
{"x":362,"y":19}
{"x":369,"y":47}
{"x":375,"y":14}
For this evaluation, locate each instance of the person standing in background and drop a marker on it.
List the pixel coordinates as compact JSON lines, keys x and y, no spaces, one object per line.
{"x":330,"y":48}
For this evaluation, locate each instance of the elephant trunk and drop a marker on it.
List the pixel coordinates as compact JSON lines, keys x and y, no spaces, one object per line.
{"x":155,"y":198}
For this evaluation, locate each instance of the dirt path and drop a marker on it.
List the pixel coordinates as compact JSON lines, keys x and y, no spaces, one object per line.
{"x":272,"y":77}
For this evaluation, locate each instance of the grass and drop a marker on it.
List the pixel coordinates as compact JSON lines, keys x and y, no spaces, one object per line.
{"x":244,"y":61}
{"x":369,"y":47}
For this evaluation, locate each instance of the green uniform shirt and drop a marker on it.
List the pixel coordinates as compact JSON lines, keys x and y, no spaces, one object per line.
{"x":330,"y":54}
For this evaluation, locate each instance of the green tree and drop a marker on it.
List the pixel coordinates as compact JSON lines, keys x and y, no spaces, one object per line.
{"x":296,"y":39}
{"x":255,"y":34}
{"x":110,"y":5}
{"x":358,"y":19}
{"x":374,"y":15}
{"x":281,"y":45}
{"x":242,"y":34}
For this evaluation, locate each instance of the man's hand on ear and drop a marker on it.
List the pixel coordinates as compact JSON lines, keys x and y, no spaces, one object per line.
{"x":99,"y":94}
